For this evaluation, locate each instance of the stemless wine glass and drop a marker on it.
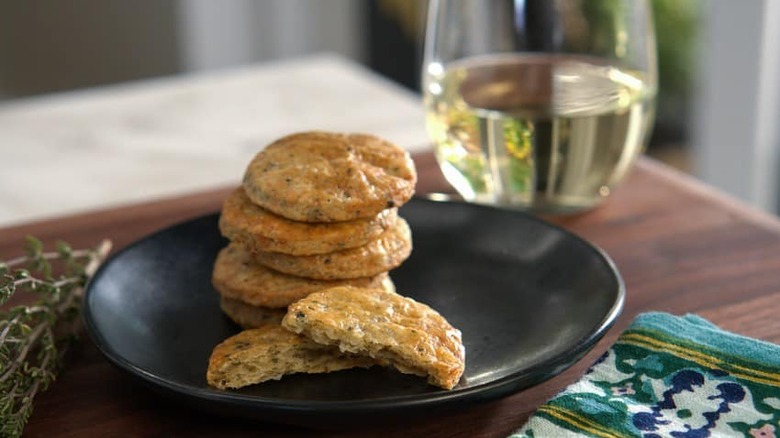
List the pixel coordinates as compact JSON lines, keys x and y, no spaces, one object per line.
{"x":539,"y":104}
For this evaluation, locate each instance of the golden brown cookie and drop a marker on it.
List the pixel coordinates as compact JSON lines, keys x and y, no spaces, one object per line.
{"x":329,"y":177}
{"x":270,"y":352}
{"x":380,"y":255}
{"x":236,"y":275}
{"x":257,"y":229}
{"x":249,"y":316}
{"x":390,"y":328}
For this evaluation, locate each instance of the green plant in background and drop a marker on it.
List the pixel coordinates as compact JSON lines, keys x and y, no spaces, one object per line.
{"x":518,"y":137}
{"x":601,"y":37}
{"x":677,"y":25}
{"x":34,"y":337}
{"x":473,"y":168}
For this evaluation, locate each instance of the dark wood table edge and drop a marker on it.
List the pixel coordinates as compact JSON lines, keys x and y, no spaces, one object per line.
{"x":165,"y":211}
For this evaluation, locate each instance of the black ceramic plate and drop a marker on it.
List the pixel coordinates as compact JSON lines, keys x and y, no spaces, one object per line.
{"x":530,"y":298}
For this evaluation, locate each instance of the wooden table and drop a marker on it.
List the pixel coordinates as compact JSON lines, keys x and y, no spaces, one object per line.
{"x":680,"y":246}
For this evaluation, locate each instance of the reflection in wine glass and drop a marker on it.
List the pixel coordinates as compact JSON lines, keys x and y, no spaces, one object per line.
{"x":538,"y":104}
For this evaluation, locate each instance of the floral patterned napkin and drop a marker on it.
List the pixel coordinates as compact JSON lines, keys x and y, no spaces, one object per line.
{"x":670,"y":376}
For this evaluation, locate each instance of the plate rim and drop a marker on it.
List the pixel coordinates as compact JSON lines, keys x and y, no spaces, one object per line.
{"x":491,"y":390}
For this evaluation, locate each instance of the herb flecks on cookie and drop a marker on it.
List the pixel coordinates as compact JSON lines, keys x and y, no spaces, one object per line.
{"x":330,"y":177}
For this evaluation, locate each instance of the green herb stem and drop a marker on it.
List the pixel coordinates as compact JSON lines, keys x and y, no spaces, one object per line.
{"x":35,"y":337}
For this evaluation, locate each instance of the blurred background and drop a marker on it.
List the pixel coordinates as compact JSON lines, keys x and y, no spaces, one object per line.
{"x":719,"y":62}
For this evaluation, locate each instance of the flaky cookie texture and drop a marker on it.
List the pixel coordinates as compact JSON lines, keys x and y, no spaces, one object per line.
{"x":329,"y":177}
{"x":388,"y":327}
{"x":270,"y":352}
{"x":249,"y":316}
{"x":258,"y":229}
{"x":237,"y":275}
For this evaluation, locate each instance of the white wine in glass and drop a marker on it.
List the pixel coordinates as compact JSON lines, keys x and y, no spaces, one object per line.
{"x":537,"y":104}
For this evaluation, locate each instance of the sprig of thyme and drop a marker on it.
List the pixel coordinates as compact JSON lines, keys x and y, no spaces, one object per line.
{"x":34,"y":337}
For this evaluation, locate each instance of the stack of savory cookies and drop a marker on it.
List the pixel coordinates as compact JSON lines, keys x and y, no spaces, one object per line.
{"x":314,"y":231}
{"x":316,"y":210}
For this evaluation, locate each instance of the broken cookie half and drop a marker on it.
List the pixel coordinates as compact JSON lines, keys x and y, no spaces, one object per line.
{"x":270,"y":352}
{"x":387,"y":327}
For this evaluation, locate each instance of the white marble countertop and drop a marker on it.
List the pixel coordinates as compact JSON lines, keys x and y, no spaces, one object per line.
{"x":121,"y":144}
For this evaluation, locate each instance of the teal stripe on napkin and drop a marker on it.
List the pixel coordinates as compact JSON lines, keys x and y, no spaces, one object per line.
{"x":670,"y":376}
{"x":707,"y":333}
